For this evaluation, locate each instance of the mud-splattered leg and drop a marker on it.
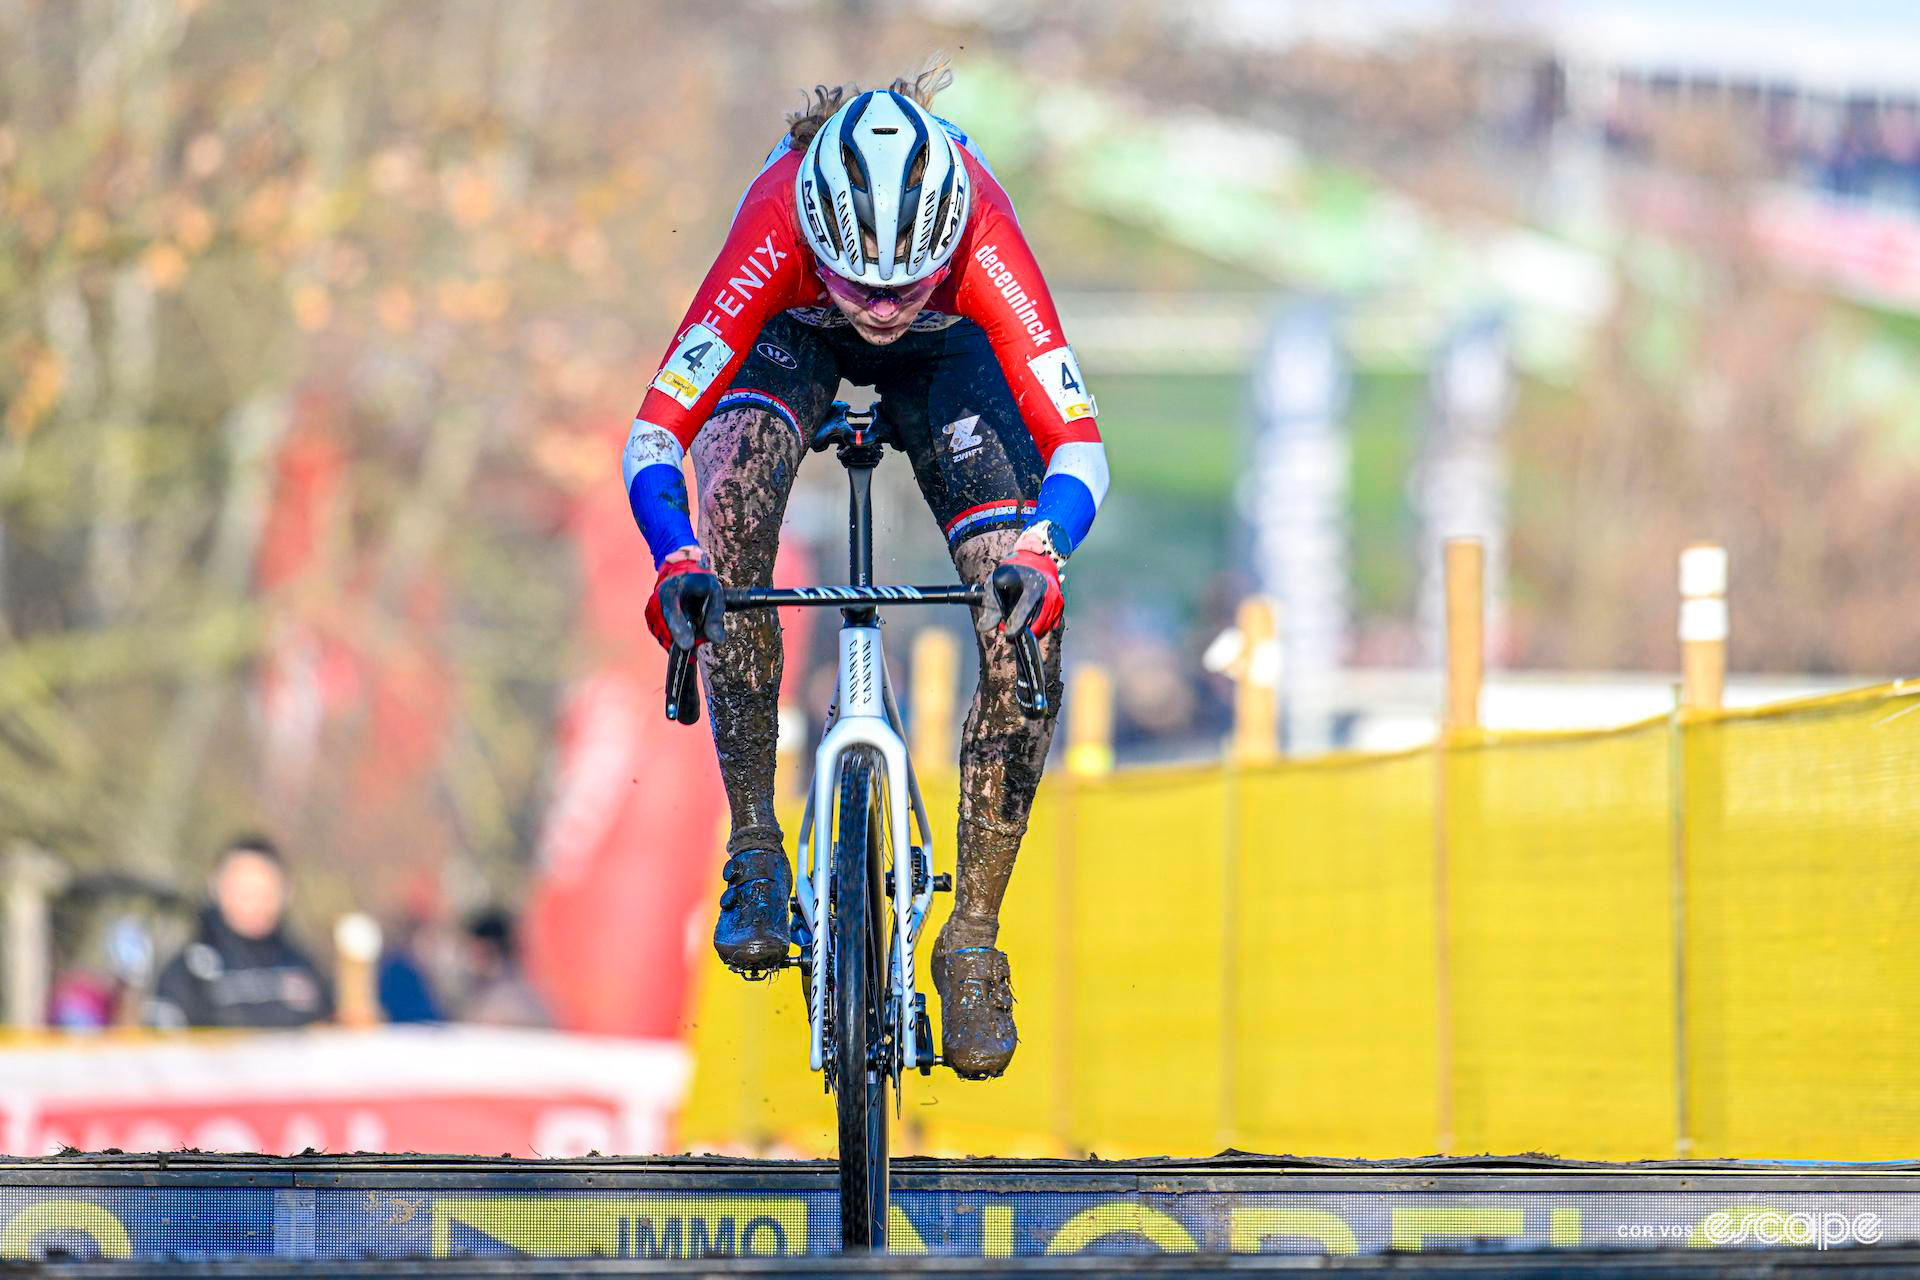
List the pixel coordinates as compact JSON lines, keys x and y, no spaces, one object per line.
{"x":1001,"y":757}
{"x":745,"y":461}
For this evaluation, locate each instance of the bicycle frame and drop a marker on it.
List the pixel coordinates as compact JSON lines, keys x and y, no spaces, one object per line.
{"x":865,"y":714}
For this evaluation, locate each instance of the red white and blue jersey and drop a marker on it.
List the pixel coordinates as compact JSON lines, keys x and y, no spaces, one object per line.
{"x":765,"y":268}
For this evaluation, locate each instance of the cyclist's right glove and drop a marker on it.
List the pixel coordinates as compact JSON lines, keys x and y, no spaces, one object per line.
{"x":686,"y":588}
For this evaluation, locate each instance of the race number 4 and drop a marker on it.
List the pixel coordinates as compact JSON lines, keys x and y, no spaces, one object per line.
{"x":1059,"y":373}
{"x":696,"y":361}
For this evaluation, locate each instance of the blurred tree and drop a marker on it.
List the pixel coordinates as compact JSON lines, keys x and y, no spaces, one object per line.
{"x":313,"y":322}
{"x":423,"y":240}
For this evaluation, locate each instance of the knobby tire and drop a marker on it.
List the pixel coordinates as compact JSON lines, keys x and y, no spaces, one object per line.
{"x":860,"y":927}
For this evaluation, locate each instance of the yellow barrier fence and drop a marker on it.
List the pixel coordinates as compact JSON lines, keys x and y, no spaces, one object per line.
{"x":1692,"y":936}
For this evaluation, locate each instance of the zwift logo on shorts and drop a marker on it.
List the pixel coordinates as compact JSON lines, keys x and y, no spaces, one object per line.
{"x":966,"y":440}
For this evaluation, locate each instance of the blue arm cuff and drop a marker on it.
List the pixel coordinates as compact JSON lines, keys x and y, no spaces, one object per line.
{"x":1067,"y":502}
{"x":658,"y":496}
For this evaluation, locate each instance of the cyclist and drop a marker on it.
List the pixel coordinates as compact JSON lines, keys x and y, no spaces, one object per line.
{"x":875,"y":246}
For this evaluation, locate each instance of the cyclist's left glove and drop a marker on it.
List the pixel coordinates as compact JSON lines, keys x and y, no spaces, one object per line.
{"x":686,"y":586}
{"x":1043,"y":601}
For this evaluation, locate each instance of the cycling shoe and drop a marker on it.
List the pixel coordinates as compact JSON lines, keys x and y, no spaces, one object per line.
{"x":976,"y":1010}
{"x":752,"y":934}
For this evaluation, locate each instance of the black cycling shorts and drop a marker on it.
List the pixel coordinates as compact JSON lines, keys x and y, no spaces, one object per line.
{"x":943,"y":398}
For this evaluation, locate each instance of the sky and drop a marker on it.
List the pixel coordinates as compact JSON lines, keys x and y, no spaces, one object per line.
{"x":1877,"y":17}
{"x":1837,"y":46}
{"x":1884,"y":16}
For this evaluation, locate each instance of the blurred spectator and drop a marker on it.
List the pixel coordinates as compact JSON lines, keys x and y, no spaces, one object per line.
{"x":82,"y":1000}
{"x":241,"y":969}
{"x":406,"y":993}
{"x":499,"y":994}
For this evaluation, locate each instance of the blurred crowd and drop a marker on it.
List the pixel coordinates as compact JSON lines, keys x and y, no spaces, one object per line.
{"x":1864,"y":147}
{"x":235,"y":960}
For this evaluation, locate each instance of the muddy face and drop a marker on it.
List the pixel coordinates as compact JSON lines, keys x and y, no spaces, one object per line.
{"x":880,"y":316}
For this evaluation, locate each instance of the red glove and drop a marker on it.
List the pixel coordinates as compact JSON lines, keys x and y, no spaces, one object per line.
{"x":685,"y":585}
{"x":1042,"y":603}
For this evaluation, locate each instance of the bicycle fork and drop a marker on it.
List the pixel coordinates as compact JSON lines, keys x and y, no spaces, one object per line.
{"x":866,"y":714}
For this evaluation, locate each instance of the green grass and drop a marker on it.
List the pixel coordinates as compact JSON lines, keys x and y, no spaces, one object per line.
{"x":1177,"y":446}
{"x":1178,"y":437}
{"x":1174,"y":446}
{"x":1385,"y":420}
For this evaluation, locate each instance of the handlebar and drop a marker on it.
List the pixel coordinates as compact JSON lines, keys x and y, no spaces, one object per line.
{"x":848,"y":597}
{"x":1030,"y":690}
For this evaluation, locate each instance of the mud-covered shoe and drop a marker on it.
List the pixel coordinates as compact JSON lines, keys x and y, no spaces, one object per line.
{"x":976,"y":1010}
{"x":752,"y":933}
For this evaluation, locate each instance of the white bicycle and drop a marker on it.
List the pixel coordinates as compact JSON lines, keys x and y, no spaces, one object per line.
{"x":858,"y":905}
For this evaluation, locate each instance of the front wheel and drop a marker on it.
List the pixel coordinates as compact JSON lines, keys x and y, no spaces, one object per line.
{"x":859,"y":932}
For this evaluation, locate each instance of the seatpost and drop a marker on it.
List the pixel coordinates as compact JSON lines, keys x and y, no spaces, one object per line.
{"x":859,"y":523}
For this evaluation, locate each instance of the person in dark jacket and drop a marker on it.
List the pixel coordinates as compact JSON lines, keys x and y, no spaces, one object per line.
{"x":241,"y":969}
{"x":498,"y":993}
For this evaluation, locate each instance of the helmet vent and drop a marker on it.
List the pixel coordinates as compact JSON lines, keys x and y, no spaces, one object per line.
{"x":856,"y":169}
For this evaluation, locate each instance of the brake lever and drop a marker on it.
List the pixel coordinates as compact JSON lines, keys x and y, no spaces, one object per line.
{"x":683,"y":672}
{"x":683,"y":685}
{"x":1029,"y":684}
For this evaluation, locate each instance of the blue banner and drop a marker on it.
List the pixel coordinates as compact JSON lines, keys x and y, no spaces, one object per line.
{"x":186,"y":1223}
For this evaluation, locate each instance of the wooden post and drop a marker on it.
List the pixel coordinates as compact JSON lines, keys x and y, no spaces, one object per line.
{"x":1700,"y":822}
{"x":1457,"y":789}
{"x":32,"y":877}
{"x":1256,"y":670}
{"x":1703,"y":627}
{"x":1090,"y":721}
{"x":936,"y":678}
{"x":356,"y":956}
{"x":1466,"y":631}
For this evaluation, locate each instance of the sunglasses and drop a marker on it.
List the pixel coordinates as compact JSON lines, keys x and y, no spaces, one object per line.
{"x":868,"y":296}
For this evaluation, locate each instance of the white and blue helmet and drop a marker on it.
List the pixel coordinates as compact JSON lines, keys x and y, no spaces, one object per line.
{"x":882,"y":191}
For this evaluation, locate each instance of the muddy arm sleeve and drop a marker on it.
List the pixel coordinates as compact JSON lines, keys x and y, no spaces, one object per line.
{"x":1002,"y":291}
{"x":760,"y":271}
{"x":657,"y":488}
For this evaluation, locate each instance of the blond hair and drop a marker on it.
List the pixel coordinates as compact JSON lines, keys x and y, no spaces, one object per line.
{"x":934,"y":75}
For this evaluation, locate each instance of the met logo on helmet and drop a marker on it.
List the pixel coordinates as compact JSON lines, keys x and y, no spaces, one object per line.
{"x":956,"y":208}
{"x":810,"y":205}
